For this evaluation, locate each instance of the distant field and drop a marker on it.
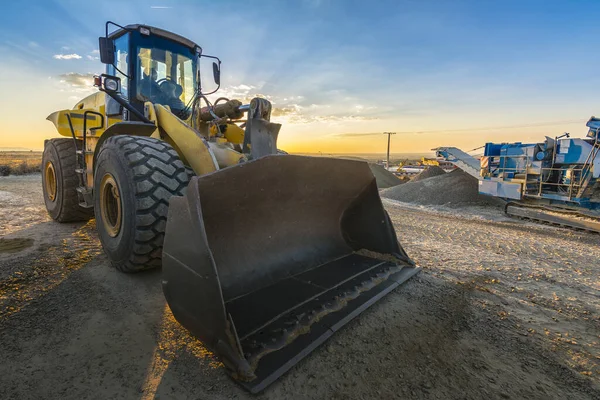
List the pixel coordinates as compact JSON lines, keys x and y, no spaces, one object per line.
{"x":25,"y":162}
{"x":19,"y":162}
{"x":395,"y":158}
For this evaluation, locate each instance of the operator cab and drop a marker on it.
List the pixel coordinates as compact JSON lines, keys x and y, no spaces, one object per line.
{"x":153,"y":65}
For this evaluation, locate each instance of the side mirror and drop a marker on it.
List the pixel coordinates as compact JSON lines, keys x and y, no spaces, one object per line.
{"x":107,"y":50}
{"x":217,"y":73}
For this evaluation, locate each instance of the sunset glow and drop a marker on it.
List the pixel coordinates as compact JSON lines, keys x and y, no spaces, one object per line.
{"x":438,"y":73}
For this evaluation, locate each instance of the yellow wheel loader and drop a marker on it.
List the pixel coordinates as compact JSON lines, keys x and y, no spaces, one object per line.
{"x":264,"y":255}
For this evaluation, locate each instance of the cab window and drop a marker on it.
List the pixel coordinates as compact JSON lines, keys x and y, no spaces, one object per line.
{"x":165,"y":76}
{"x":121,"y":62}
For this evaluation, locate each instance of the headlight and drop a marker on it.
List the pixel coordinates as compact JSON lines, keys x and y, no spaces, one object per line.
{"x":111,"y":85}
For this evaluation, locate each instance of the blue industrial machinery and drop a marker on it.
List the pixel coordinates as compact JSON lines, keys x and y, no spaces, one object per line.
{"x":556,"y":181}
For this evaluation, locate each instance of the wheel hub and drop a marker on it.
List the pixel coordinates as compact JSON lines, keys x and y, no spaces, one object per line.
{"x":50,"y":178}
{"x":110,"y":205}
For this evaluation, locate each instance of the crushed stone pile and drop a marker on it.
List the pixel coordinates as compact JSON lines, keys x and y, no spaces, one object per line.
{"x":385,"y":179}
{"x":451,"y":189}
{"x":430,"y":172}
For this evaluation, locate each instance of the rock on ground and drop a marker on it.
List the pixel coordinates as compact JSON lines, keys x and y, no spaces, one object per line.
{"x":384,"y":178}
{"x":430,"y":172}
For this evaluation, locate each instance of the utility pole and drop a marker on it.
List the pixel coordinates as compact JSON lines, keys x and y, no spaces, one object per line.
{"x":387,"y":165}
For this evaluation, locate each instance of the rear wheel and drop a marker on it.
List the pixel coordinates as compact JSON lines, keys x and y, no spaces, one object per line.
{"x":134,"y":179}
{"x":60,"y":181}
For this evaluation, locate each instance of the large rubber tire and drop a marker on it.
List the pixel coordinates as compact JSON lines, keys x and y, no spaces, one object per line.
{"x":147,"y":172}
{"x":59,"y":162}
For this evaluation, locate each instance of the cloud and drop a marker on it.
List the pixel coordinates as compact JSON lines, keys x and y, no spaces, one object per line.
{"x":243,"y":87}
{"x":95,"y":51}
{"x":160,"y":7}
{"x":33,"y":44}
{"x":67,"y":56}
{"x":78,"y":83}
{"x":297,"y":114}
{"x":361,"y":108}
{"x":293,"y":98}
{"x":234,"y":92}
{"x":298,"y":109}
{"x":243,"y":93}
{"x":339,"y":118}
{"x":92,"y":57}
{"x":358,"y":134}
{"x":292,"y":110}
{"x":65,"y":48}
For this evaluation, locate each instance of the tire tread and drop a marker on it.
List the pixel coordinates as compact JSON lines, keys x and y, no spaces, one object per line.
{"x":151,"y":171}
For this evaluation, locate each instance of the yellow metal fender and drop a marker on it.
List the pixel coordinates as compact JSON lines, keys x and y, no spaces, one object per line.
{"x":93,"y":102}
{"x":60,"y":121}
{"x":193,"y":149}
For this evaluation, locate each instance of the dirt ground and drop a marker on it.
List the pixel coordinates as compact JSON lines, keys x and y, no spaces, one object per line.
{"x":502,"y":310}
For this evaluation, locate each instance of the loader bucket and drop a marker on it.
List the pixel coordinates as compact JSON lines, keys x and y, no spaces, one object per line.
{"x":263,"y":261}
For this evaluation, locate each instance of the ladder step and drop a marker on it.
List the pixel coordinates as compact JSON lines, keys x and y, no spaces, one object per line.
{"x":83,"y":152}
{"x":80,"y":171}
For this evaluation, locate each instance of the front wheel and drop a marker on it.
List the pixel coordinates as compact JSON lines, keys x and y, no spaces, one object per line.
{"x":134,"y":179}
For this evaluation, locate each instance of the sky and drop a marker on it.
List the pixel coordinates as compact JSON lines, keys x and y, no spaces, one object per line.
{"x":338,"y":72}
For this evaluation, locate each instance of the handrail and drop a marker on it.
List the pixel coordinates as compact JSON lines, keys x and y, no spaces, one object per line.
{"x":587,"y":167}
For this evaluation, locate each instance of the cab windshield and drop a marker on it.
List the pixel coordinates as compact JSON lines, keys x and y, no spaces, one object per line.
{"x":166,"y":73}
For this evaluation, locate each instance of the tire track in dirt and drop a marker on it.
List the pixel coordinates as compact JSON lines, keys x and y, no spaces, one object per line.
{"x":547,"y":278}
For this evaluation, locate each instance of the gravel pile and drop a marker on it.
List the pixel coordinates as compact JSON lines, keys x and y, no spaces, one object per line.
{"x":430,"y":172}
{"x":385,"y":179}
{"x":452,"y":188}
